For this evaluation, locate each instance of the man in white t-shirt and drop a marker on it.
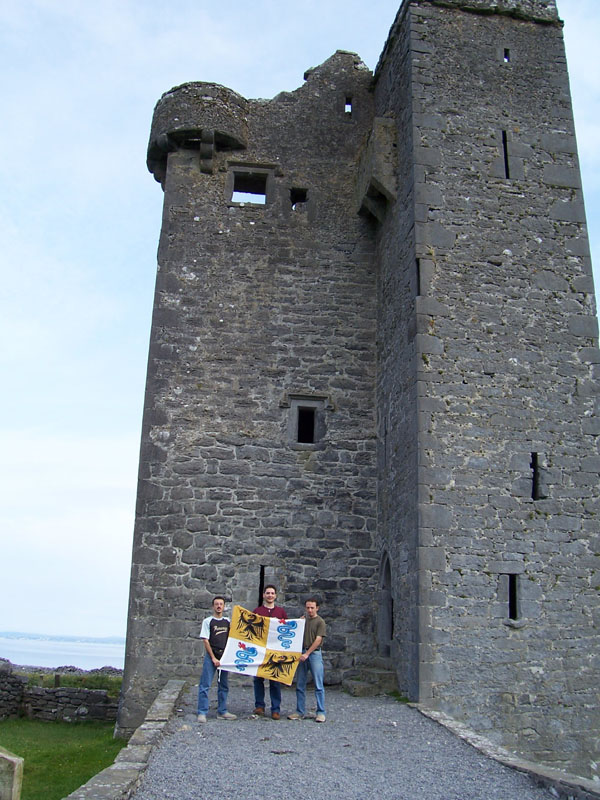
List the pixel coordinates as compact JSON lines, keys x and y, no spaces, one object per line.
{"x":214,"y":633}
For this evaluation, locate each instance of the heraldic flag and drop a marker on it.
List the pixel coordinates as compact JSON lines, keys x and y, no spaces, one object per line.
{"x":263,"y":647}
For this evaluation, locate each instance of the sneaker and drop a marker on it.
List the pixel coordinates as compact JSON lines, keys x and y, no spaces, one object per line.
{"x":201,"y":717}
{"x":275,"y":715}
{"x":295,"y":715}
{"x":226,"y":715}
{"x":320,"y":718}
{"x":259,"y":711}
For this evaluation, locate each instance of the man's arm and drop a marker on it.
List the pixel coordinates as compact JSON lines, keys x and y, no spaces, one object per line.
{"x":209,"y":650}
{"x":317,"y":643}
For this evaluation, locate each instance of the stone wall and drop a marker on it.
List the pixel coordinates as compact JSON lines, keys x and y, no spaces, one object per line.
{"x":63,"y":703}
{"x":68,"y":704}
{"x":507,"y":370}
{"x":11,"y":693}
{"x":411,"y":272}
{"x":261,"y":310}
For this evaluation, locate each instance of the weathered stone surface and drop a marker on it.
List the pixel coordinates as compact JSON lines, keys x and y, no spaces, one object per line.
{"x":444,"y":342}
{"x":11,"y":775}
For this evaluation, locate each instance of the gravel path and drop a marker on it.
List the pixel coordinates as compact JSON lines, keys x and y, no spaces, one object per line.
{"x":370,"y":747}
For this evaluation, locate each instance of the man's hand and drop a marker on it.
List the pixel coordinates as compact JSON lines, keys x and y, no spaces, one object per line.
{"x":304,"y":656}
{"x":216,"y":662}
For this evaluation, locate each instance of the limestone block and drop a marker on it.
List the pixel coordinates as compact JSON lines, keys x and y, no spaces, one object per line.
{"x":11,"y":775}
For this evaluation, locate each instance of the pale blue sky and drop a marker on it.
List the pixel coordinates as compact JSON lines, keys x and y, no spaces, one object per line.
{"x":79,"y":224}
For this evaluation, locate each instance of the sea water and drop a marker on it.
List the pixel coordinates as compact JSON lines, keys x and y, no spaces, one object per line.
{"x":62,"y":652}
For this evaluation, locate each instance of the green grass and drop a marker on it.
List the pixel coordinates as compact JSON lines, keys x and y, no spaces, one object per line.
{"x":90,"y":680}
{"x":59,"y":756}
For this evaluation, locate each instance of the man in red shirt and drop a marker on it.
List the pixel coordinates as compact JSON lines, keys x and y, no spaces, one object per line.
{"x":268,"y":609}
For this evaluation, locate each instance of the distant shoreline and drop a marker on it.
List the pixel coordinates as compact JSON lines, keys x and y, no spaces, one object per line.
{"x":60,"y":655}
{"x":62,"y":670}
{"x":48,"y":637}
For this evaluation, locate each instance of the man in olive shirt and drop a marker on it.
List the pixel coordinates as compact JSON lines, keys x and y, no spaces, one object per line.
{"x":311,"y":658}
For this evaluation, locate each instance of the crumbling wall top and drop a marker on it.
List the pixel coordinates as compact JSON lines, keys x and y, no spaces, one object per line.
{"x":192,"y":112}
{"x":534,"y":10}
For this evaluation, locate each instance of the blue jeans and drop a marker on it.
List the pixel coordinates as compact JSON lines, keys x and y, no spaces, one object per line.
{"x":274,"y":691}
{"x":206,"y":679}
{"x":315,"y":663}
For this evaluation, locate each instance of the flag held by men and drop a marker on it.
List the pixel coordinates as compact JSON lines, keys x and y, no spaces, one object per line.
{"x":263,"y":647}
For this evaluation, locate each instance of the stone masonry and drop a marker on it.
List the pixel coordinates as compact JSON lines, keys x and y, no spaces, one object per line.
{"x":372,"y":375}
{"x":68,"y":704}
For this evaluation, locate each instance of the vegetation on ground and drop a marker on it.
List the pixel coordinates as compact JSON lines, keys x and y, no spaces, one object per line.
{"x":83,"y":680}
{"x":59,"y":756}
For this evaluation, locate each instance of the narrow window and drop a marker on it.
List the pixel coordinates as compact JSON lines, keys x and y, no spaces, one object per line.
{"x":348,"y":106}
{"x":538,"y":490}
{"x":505,"y":150}
{"x":506,"y":55}
{"x":298,"y":196}
{"x":513,"y":596}
{"x":249,"y":187}
{"x":418,"y":274}
{"x":306,"y":425}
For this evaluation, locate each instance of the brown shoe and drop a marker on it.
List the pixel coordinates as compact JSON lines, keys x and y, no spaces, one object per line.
{"x":259,"y":711}
{"x":276,"y":715}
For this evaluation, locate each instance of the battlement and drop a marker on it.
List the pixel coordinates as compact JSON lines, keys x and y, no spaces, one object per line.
{"x":199,"y":116}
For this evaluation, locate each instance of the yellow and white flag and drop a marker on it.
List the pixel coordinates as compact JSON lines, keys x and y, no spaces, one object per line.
{"x":263,"y":647}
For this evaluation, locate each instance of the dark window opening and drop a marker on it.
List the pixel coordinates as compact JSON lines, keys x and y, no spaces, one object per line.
{"x":513,"y":597}
{"x":506,"y":55}
{"x":261,"y":586}
{"x":249,"y":187}
{"x":306,"y":425}
{"x":348,"y":106}
{"x":505,"y":151}
{"x":418,"y":271}
{"x":298,"y":196}
{"x":537,"y":489}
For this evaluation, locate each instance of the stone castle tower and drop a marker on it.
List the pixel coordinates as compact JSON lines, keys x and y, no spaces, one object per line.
{"x":372,"y":375}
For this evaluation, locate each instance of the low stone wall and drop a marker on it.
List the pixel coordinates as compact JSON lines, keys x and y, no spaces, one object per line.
{"x":68,"y":704}
{"x":62,"y":703}
{"x":11,"y":694}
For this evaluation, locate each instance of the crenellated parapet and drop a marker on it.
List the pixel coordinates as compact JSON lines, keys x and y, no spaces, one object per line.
{"x":199,"y":116}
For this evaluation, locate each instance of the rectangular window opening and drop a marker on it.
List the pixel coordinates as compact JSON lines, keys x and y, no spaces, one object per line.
{"x":249,"y":187}
{"x":513,"y":596}
{"x":418,"y":271}
{"x":306,"y":425}
{"x":298,"y":196}
{"x":505,"y":151}
{"x":537,"y":492}
{"x":506,"y":55}
{"x":348,"y":106}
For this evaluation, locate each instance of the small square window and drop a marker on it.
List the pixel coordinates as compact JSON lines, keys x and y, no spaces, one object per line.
{"x":298,"y":196}
{"x":306,"y":420}
{"x":249,"y":187}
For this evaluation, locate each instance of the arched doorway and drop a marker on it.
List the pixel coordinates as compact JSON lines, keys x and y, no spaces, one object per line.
{"x":385,"y":609}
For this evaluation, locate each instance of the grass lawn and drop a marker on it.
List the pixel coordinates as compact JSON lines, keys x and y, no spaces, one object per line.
{"x":59,"y":756}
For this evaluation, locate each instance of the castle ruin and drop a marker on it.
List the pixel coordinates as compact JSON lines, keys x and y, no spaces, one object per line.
{"x":372,"y":375}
